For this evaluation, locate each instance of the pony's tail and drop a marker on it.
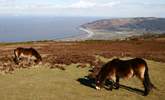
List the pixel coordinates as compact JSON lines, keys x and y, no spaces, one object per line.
{"x":147,"y":83}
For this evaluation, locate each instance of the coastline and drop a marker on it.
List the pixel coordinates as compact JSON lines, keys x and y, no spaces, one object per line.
{"x":114,"y":35}
{"x":101,"y":35}
{"x":85,"y":35}
{"x":89,"y":32}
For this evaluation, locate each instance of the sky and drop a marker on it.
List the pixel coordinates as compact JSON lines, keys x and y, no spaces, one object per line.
{"x":104,"y":8}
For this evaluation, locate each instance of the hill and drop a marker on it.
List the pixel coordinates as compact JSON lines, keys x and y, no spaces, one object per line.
{"x":46,"y":82}
{"x":139,"y":24}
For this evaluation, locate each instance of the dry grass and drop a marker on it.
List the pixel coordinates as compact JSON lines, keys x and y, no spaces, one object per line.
{"x":26,"y":82}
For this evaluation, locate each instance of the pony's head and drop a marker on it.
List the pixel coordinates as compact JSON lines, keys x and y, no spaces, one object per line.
{"x":98,"y":83}
{"x":100,"y":77}
{"x":15,"y":60}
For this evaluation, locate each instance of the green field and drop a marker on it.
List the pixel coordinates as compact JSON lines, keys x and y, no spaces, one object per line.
{"x":42,"y":83}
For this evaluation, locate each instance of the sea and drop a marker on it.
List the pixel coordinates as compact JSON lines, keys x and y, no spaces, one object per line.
{"x":34,"y":28}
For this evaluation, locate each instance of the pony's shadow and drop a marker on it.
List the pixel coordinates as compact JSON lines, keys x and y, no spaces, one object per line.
{"x":134,"y":90}
{"x":90,"y":82}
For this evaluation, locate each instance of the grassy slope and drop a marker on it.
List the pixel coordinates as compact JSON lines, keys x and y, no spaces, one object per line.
{"x":53,"y":84}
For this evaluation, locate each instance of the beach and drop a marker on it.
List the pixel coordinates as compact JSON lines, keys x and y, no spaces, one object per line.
{"x":85,"y":34}
{"x":91,"y":34}
{"x":88,"y":31}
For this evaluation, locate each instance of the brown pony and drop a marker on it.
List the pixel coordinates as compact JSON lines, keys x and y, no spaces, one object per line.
{"x":29,"y":53}
{"x":116,"y":69}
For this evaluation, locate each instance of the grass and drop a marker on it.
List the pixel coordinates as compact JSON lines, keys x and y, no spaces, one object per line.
{"x":42,"y":83}
{"x":15,"y":43}
{"x":25,"y":42}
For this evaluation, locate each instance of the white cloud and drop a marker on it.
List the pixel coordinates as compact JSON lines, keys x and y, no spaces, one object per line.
{"x":78,"y":4}
{"x":92,"y":3}
{"x":82,"y":4}
{"x":110,"y":4}
{"x":84,"y":7}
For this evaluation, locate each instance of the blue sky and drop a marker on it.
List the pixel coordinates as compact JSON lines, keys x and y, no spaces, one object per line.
{"x":105,"y":8}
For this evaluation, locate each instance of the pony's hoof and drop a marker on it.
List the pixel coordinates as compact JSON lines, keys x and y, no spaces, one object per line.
{"x":116,"y":87}
{"x":145,"y":94}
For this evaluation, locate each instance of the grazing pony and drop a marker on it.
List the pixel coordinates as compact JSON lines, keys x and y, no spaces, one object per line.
{"x":29,"y":53}
{"x":116,"y":69}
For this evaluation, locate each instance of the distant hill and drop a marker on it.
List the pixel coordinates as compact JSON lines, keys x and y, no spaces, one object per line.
{"x":139,"y":24}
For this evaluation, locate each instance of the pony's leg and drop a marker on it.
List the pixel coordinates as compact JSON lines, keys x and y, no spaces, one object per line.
{"x":144,"y":77}
{"x":29,"y":60}
{"x":145,"y":84}
{"x":117,"y":85}
{"x":146,"y":88}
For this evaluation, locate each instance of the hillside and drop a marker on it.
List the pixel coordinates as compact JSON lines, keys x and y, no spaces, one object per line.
{"x":83,"y":52}
{"x":139,"y":24}
{"x":46,"y":82}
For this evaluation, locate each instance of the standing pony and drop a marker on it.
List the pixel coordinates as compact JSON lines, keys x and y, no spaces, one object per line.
{"x":29,"y":53}
{"x":116,"y":69}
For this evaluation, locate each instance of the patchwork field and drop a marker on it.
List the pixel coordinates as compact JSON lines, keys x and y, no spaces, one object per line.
{"x":49,"y":82}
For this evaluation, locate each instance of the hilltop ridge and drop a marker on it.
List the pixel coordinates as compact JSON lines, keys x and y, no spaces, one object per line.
{"x":139,"y":24}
